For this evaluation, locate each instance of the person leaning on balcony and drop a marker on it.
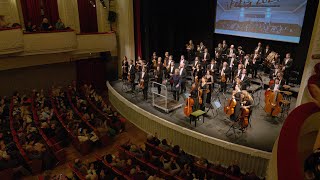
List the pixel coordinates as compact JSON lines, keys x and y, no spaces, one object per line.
{"x":30,"y":27}
{"x":60,"y":25}
{"x":3,"y":23}
{"x":45,"y":25}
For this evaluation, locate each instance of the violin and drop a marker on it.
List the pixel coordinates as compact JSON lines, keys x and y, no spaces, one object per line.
{"x":223,"y":78}
{"x":141,"y":84}
{"x":154,"y":63}
{"x":229,"y":109}
{"x":129,"y":77}
{"x":273,"y":103}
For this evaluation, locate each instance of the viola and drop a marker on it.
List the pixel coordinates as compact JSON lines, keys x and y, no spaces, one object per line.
{"x":223,"y":78}
{"x":129,"y":77}
{"x":273,"y":103}
{"x":141,"y":84}
{"x":229,"y":109}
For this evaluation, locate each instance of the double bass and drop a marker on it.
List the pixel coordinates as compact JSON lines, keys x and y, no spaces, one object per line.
{"x":273,"y":103}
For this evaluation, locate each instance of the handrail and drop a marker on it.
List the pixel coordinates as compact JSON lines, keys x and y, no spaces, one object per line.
{"x":53,"y":31}
{"x":93,"y":33}
{"x":9,"y":28}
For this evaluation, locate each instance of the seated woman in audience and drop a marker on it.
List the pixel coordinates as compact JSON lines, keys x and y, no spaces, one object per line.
{"x":153,"y":139}
{"x":45,"y":25}
{"x":60,"y":25}
{"x":30,"y":27}
{"x":171,"y":166}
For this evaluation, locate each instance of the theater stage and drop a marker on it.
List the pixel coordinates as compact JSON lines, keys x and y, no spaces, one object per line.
{"x":261,"y":135}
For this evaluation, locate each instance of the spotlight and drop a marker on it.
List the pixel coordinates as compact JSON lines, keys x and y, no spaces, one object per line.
{"x":92,"y":3}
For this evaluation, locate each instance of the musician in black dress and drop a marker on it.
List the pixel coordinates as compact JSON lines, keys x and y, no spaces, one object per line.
{"x":176,"y":84}
{"x":158,"y":74}
{"x":203,"y":86}
{"x":131,"y":75}
{"x":125,"y":67}
{"x":198,"y":73}
{"x":143,"y":82}
{"x":210,"y":83}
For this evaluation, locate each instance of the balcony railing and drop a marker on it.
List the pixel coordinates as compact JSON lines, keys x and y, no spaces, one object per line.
{"x":11,"y":41}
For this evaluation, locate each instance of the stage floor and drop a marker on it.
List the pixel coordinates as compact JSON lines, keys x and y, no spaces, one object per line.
{"x":261,"y":135}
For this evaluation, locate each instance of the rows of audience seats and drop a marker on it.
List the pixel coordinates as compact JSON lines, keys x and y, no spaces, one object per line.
{"x":33,"y":130}
{"x":33,"y":137}
{"x":155,"y":160}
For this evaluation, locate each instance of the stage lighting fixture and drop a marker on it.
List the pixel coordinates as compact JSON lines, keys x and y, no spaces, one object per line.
{"x":103,"y":3}
{"x":92,"y":3}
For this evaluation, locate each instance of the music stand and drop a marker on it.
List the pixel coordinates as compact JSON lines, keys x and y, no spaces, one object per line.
{"x":215,"y":104}
{"x":235,"y":126}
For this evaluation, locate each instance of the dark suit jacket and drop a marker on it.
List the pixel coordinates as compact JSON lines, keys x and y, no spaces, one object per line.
{"x":214,"y":68}
{"x":183,"y":75}
{"x":288,"y":65}
{"x":224,"y":49}
{"x":245,"y":82}
{"x":207,"y":58}
{"x":132,"y":72}
{"x":234,"y":51}
{"x":227,"y":71}
{"x":260,"y":49}
{"x":145,"y":79}
{"x":176,"y":80}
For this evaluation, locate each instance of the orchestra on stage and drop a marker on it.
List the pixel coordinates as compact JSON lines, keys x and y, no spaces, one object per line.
{"x":228,"y":67}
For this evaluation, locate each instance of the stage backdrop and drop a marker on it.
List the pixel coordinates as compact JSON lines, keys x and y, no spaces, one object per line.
{"x":266,"y":19}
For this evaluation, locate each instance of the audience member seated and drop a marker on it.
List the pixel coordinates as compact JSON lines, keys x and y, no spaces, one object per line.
{"x":312,"y":165}
{"x":45,"y":25}
{"x":30,"y":27}
{"x":60,"y":25}
{"x":234,"y":170}
{"x":3,"y":23}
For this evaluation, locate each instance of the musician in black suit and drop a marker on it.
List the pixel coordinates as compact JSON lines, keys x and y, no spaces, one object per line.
{"x":213,"y":67}
{"x":198,"y":73}
{"x":244,"y":79}
{"x":158,"y":74}
{"x":183,"y":75}
{"x":131,"y":74}
{"x":224,"y":47}
{"x":266,"y":51}
{"x":241,"y":53}
{"x":218,"y":54}
{"x":224,"y":71}
{"x":143,"y":82}
{"x":247,"y":63}
{"x":259,"y":48}
{"x":233,"y":63}
{"x":255,"y":64}
{"x":176,"y":84}
{"x":231,"y":51}
{"x":238,"y":71}
{"x":205,"y":58}
{"x":170,"y":72}
{"x":287,"y":65}
{"x":125,"y":67}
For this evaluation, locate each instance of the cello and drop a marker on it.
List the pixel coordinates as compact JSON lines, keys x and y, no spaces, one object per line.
{"x":189,"y":104}
{"x":273,"y":103}
{"x":244,"y":118}
{"x":229,"y":109}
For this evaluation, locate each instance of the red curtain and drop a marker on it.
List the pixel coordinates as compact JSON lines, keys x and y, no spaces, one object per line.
{"x":31,"y":10}
{"x":137,"y":26}
{"x":51,"y":11}
{"x":87,"y":17}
